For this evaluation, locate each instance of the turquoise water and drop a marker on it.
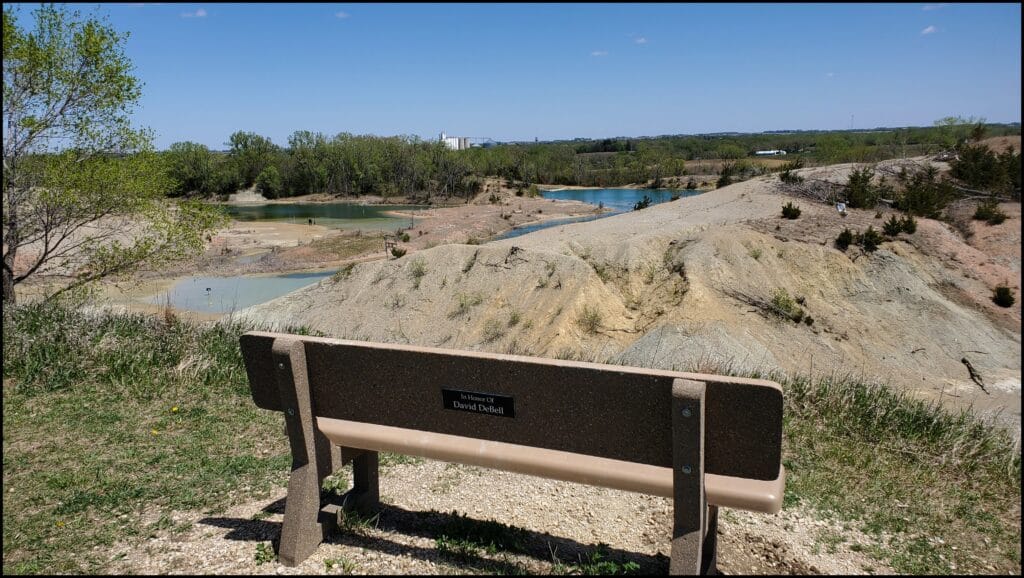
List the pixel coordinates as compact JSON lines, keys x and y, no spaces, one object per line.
{"x":227,"y":294}
{"x":618,"y":200}
{"x":333,"y":215}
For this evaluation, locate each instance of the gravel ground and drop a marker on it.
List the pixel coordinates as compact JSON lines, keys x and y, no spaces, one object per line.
{"x":561,"y":520}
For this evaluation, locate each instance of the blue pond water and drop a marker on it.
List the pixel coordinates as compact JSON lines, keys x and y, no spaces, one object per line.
{"x":333,"y":215}
{"x":227,"y":294}
{"x":618,"y":200}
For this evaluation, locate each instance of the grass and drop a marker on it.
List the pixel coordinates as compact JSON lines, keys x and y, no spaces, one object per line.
{"x":417,"y":270}
{"x":589,"y":319}
{"x":493,"y":330}
{"x":463,"y":303}
{"x":91,"y":434}
{"x":346,"y":246}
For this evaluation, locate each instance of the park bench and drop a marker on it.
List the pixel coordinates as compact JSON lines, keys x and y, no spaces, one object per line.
{"x":705,"y":441}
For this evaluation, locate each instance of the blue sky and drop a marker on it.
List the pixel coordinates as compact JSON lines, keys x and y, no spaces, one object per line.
{"x":553,"y":71}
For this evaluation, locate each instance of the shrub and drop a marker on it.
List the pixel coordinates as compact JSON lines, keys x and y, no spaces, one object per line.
{"x":1003,"y":296}
{"x":417,"y":270}
{"x":844,"y":240}
{"x":493,"y":330}
{"x":268,"y":183}
{"x":784,"y":306}
{"x":405,"y":237}
{"x":924,"y":194}
{"x":790,"y":211}
{"x":870,"y":240}
{"x":860,"y":193}
{"x":892,"y":227}
{"x":691,"y":184}
{"x":787,"y":175}
{"x":908,"y":224}
{"x":642,"y":204}
{"x":397,"y":252}
{"x":990,"y":212}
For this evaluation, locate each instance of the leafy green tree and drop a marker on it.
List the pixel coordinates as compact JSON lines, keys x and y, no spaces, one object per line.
{"x":268,"y":183}
{"x":83,"y":192}
{"x":251,"y":154}
{"x":860,"y":192}
{"x":191,"y":166}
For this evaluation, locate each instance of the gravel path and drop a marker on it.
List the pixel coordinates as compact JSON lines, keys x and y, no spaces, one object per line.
{"x":559,"y":520}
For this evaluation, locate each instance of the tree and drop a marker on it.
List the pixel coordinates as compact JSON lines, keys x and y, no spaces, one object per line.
{"x":191,"y":166}
{"x":83,"y":192}
{"x":251,"y":154}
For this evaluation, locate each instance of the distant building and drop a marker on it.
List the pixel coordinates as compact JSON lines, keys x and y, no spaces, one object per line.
{"x":769,"y":153}
{"x":456,"y":143}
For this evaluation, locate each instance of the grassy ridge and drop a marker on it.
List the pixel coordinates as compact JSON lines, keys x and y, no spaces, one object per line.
{"x":113,"y":421}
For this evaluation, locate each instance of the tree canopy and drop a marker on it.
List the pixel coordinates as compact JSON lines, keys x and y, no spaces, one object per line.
{"x":83,"y":191}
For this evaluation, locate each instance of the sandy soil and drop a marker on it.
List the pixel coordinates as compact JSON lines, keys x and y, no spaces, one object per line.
{"x":561,"y":520}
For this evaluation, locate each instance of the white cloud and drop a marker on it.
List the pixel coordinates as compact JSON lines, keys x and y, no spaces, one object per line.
{"x":830,"y":74}
{"x":640,"y":40}
{"x":199,"y":13}
{"x":928,"y":7}
{"x":929,"y":30}
{"x":342,"y":15}
{"x":599,"y":53}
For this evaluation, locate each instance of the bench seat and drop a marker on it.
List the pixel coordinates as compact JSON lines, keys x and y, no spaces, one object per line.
{"x":723,"y":491}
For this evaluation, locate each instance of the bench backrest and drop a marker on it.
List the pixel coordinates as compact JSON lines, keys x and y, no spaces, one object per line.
{"x":607,"y":411}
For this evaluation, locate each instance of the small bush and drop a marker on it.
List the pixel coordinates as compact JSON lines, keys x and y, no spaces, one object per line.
{"x":790,"y":211}
{"x":784,"y":306}
{"x":990,"y":212}
{"x":844,"y":240}
{"x":909,"y":224}
{"x":860,"y":193}
{"x":405,"y":237}
{"x":892,"y":227}
{"x":691,"y":185}
{"x":1003,"y":296}
{"x":787,"y":175}
{"x":493,"y":330}
{"x":642,"y":204}
{"x":808,"y":321}
{"x":417,"y":270}
{"x":397,"y":252}
{"x":870,"y":240}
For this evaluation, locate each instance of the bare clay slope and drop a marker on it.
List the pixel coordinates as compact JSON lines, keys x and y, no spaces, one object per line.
{"x":678,"y":286}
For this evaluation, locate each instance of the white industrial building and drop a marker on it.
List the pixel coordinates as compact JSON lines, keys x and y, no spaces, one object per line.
{"x":771,"y":152}
{"x":456,"y":143}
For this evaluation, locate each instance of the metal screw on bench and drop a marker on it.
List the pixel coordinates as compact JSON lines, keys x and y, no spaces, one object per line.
{"x":687,"y":413}
{"x":687,"y":470}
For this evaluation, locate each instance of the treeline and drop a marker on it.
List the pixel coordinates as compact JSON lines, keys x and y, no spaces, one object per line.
{"x":348,"y":164}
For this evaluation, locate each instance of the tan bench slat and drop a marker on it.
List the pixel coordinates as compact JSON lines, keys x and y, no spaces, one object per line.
{"x":725,"y":491}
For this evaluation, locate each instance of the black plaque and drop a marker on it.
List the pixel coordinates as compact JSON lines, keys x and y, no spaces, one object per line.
{"x":476,"y":402}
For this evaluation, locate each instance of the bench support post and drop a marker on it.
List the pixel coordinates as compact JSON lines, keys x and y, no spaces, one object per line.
{"x":313,"y":458}
{"x":689,"y":500}
{"x":364,"y":497}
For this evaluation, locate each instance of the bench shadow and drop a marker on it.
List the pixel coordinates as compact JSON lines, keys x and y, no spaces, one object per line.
{"x":431,"y":524}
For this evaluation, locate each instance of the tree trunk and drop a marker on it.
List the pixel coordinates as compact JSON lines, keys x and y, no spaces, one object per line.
{"x":9,"y":279}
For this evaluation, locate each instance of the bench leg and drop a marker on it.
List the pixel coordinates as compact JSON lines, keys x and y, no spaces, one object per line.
{"x":689,"y":501}
{"x":364,"y":497}
{"x":302,"y":530}
{"x":709,"y":558}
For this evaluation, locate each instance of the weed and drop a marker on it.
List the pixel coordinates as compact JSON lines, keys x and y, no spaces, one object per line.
{"x":264,"y":553}
{"x":493,"y":330}
{"x":405,"y":237}
{"x":347,"y":566}
{"x":417,"y":270}
{"x":589,"y":319}
{"x":514,"y":318}
{"x":755,"y":252}
{"x":398,"y":252}
{"x":468,"y":265}
{"x":464,"y":304}
{"x":336,"y":483}
{"x":344,"y":272}
{"x":844,"y":240}
{"x":596,"y":563}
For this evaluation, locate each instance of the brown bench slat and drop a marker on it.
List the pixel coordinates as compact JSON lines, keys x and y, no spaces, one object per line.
{"x":605,"y":411}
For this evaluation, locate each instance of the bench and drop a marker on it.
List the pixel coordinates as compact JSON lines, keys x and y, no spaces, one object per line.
{"x":704,"y":441}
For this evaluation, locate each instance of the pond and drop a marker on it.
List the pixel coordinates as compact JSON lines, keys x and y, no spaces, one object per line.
{"x":333,"y":215}
{"x":618,"y":200}
{"x":227,"y":294}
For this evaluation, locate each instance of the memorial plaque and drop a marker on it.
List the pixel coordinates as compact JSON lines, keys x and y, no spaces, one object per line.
{"x":476,"y":402}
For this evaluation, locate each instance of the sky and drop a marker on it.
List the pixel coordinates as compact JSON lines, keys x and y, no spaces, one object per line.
{"x":560,"y":71}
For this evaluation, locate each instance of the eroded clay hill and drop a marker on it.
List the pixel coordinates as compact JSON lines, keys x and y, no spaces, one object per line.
{"x":684,"y":285}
